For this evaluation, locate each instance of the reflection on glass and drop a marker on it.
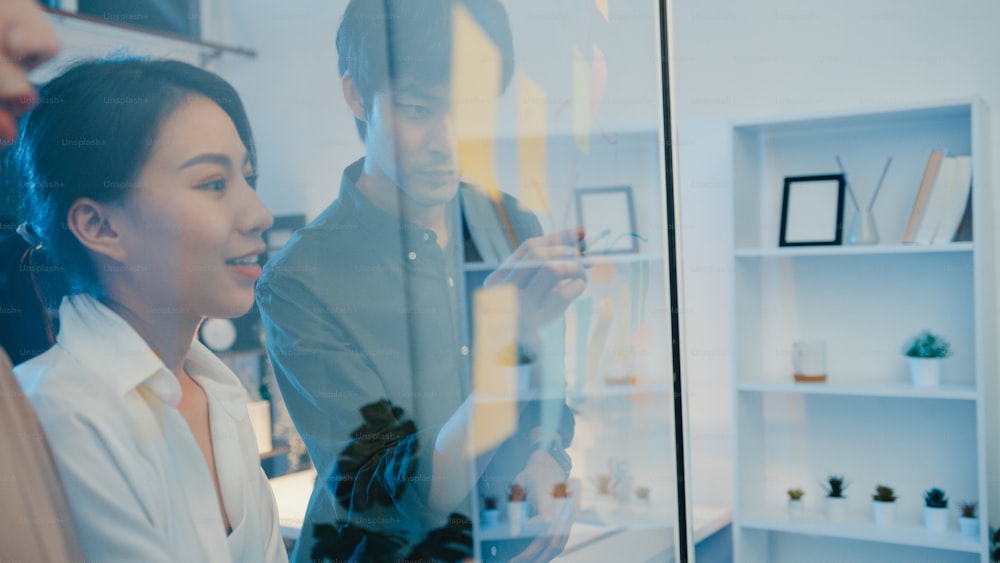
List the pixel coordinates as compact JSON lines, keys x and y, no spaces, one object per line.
{"x":480,"y":368}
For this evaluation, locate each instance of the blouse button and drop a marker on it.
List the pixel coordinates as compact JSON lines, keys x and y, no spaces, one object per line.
{"x":412,"y":255}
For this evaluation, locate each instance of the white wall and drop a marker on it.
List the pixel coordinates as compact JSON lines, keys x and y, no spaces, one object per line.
{"x":305,"y":133}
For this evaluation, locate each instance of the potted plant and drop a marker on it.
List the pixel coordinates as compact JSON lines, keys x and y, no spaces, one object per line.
{"x":968,"y":522}
{"x":796,"y":506}
{"x":521,"y":359}
{"x":884,"y":505}
{"x":517,"y":508}
{"x":491,"y":514}
{"x":836,"y":502}
{"x":935,"y":510}
{"x":995,"y":545}
{"x":926,"y":353}
{"x":642,"y":493}
{"x":562,"y":501}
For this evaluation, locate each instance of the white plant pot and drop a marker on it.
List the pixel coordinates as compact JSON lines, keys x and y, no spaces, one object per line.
{"x":260,"y":420}
{"x":562,"y":509}
{"x":796,"y":509}
{"x":936,"y":519}
{"x":884,"y":513}
{"x":519,"y":378}
{"x":968,"y":526}
{"x":517,"y":515}
{"x":836,"y":509}
{"x":925,"y":372}
{"x":491,"y":517}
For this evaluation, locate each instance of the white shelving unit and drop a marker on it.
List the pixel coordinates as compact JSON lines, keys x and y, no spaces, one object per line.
{"x":618,"y":380}
{"x":867,"y":421}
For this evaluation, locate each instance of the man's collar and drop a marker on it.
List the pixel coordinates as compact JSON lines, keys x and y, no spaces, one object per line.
{"x":378,"y":223}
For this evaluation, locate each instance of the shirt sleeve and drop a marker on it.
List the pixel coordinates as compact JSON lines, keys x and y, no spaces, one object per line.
{"x":112,"y":523}
{"x":333,"y":391}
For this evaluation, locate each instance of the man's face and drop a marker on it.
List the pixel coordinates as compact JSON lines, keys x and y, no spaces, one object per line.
{"x":411,"y":143}
{"x":26,"y":40}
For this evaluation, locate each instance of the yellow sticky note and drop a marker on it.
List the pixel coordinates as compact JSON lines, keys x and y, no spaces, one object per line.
{"x":602,"y":6}
{"x":602,"y":271}
{"x":531,"y":145}
{"x":495,"y":332}
{"x":475,"y":85}
{"x":581,"y":100}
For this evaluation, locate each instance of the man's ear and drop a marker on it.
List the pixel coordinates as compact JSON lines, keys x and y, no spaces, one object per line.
{"x":93,"y":225}
{"x":353,"y":97}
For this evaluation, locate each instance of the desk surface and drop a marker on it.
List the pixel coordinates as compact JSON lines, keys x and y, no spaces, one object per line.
{"x":292,"y":494}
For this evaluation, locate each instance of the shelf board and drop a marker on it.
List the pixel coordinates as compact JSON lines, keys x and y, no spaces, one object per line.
{"x":957,"y":108}
{"x":274,"y":452}
{"x":898,"y":390}
{"x":911,"y":534}
{"x":617,"y":258}
{"x":847,"y":250}
{"x":588,"y":392}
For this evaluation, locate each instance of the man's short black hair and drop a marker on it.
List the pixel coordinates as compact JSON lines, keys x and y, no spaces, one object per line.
{"x":390,"y":41}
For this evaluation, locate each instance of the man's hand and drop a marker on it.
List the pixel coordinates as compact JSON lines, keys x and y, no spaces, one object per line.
{"x":548,"y":274}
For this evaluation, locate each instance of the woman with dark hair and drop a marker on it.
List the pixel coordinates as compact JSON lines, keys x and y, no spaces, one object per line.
{"x":138,"y":181}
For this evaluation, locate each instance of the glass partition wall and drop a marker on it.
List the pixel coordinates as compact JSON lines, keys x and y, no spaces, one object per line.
{"x":564,"y":274}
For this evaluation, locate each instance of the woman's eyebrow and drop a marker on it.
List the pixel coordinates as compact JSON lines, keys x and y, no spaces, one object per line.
{"x":210,"y":158}
{"x":213,"y":158}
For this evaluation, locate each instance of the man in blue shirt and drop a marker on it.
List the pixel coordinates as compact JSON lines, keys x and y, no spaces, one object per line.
{"x":363,"y":309}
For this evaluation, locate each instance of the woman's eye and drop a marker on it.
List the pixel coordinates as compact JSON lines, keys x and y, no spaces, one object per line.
{"x":215,"y":186}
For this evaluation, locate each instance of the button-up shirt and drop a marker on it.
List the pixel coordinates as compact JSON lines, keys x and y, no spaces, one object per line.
{"x":360,"y":307}
{"x":137,"y":483}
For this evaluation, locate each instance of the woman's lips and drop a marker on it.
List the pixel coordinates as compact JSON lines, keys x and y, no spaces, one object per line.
{"x":251,"y":273}
{"x":11,"y":109}
{"x":8,"y":126}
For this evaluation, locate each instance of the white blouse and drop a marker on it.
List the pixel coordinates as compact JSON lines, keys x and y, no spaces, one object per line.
{"x":138,"y":486}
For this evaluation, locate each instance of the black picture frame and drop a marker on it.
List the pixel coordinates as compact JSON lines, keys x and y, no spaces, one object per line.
{"x":812,"y":210}
{"x":608,"y":214}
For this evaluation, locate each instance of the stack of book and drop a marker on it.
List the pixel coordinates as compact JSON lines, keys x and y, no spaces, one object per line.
{"x":942,"y":200}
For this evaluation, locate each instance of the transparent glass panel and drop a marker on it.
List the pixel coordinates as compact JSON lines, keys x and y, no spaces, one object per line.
{"x":483,"y":318}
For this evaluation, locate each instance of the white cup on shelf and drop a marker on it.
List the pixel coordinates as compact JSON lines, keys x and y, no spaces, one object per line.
{"x":809,"y":360}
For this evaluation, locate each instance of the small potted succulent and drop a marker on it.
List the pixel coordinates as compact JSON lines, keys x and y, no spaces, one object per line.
{"x":796,"y":506}
{"x":517,"y":508}
{"x":836,"y":502}
{"x":562,"y":500}
{"x":884,"y":505}
{"x":926,"y":353}
{"x":521,"y":360}
{"x":935,"y":510}
{"x":968,"y":522}
{"x":642,"y":493}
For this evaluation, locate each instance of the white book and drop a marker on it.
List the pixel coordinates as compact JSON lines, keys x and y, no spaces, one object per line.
{"x":936,"y":202}
{"x":951,"y":217}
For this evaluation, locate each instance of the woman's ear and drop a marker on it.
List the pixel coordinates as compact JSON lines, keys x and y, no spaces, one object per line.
{"x":93,"y":224}
{"x":353,"y":97}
